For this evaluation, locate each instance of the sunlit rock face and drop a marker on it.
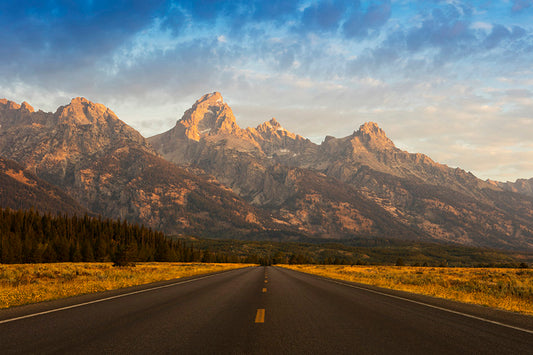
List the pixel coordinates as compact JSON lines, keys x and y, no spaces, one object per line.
{"x":110,"y":169}
{"x":361,"y":184}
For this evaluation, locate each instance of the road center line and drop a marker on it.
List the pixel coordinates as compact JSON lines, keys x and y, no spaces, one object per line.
{"x":264,"y":290}
{"x":432,"y":306}
{"x":108,"y":298}
{"x":260,"y":315}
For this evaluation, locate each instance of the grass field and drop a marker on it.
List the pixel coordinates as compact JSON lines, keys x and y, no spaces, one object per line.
{"x":508,"y":289}
{"x":29,"y":283}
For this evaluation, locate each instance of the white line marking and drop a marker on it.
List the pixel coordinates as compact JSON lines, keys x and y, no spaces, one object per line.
{"x":436,"y":307}
{"x":107,"y":298}
{"x":422,"y":303}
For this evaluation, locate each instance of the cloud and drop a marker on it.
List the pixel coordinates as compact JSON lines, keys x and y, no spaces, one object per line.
{"x":274,"y":10}
{"x":521,"y":5}
{"x":323,"y":15}
{"x":447,"y":28}
{"x":50,"y":35}
{"x":173,"y":20}
{"x":362,"y":23}
{"x":501,"y":33}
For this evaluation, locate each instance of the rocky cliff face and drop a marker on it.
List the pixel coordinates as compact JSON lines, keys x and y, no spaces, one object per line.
{"x":110,"y":169}
{"x":370,"y":147}
{"x":210,"y":123}
{"x":328,"y":190}
{"x":20,"y":189}
{"x":55,"y":145}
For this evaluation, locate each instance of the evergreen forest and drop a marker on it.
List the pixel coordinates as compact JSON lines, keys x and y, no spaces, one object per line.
{"x":32,"y":237}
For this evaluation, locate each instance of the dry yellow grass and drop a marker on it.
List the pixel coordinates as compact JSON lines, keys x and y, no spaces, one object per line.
{"x":508,"y":289}
{"x":29,"y":283}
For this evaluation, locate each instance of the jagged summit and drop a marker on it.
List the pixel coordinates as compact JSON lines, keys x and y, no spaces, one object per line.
{"x":371,"y":128}
{"x":209,"y":114}
{"x":11,"y":105}
{"x":26,"y":106}
{"x":269,"y":126}
{"x":56,"y":139}
{"x":272,"y":135}
{"x":214,"y":97}
{"x":368,"y":140}
{"x":372,"y":135}
{"x":84,"y":112}
{"x":275,"y":124}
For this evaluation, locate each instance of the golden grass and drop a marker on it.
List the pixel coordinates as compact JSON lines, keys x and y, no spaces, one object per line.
{"x":508,"y":289}
{"x":29,"y":283}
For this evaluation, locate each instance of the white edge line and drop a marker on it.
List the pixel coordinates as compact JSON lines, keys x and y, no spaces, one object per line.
{"x":107,"y":298}
{"x":436,"y":307}
{"x":419,"y":303}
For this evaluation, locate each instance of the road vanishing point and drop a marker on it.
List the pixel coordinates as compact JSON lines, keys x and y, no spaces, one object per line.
{"x":260,"y":310}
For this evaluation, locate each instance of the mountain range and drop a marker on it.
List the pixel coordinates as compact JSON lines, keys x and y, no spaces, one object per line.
{"x":207,"y":176}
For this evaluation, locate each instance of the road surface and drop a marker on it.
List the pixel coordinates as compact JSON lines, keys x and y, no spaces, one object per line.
{"x":260,"y":311}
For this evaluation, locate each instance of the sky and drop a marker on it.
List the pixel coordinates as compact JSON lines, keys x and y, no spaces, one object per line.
{"x":451,"y":79}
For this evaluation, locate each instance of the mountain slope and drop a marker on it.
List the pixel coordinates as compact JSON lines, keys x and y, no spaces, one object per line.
{"x":20,"y":189}
{"x":110,"y":169}
{"x":357,"y":185}
{"x":521,"y":186}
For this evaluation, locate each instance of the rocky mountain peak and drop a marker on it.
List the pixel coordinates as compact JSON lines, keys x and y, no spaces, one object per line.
{"x":9,"y":105}
{"x":81,"y":111}
{"x":13,"y":114}
{"x":27,"y":106}
{"x":373,"y":136}
{"x":211,"y":98}
{"x":275,"y":124}
{"x":273,"y":129}
{"x":209,"y":115}
{"x":269,"y":126}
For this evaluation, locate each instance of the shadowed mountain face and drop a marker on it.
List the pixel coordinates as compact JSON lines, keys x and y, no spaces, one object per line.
{"x":110,"y":169}
{"x":20,"y":189}
{"x":357,"y":185}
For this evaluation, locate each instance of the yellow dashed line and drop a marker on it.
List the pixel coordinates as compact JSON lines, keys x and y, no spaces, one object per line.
{"x":264,"y":290}
{"x":260,"y":315}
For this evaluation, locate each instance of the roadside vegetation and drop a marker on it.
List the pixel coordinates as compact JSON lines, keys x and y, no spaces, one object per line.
{"x":30,"y":283}
{"x":507,"y":289}
{"x":360,"y":251}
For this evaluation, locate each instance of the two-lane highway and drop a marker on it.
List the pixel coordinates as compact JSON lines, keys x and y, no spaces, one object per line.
{"x":254,"y":311}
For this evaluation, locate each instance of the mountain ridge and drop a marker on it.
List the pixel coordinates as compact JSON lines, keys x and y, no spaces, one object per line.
{"x":263,"y":182}
{"x":257,"y":164}
{"x":110,"y":169}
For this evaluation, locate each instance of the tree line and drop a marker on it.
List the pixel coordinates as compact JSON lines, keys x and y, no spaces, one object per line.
{"x":31,"y":237}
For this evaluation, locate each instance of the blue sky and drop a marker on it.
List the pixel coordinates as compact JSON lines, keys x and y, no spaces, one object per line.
{"x":450,"y":79}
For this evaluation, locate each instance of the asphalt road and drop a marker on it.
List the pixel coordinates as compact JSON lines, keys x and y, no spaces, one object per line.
{"x":260,"y":311}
